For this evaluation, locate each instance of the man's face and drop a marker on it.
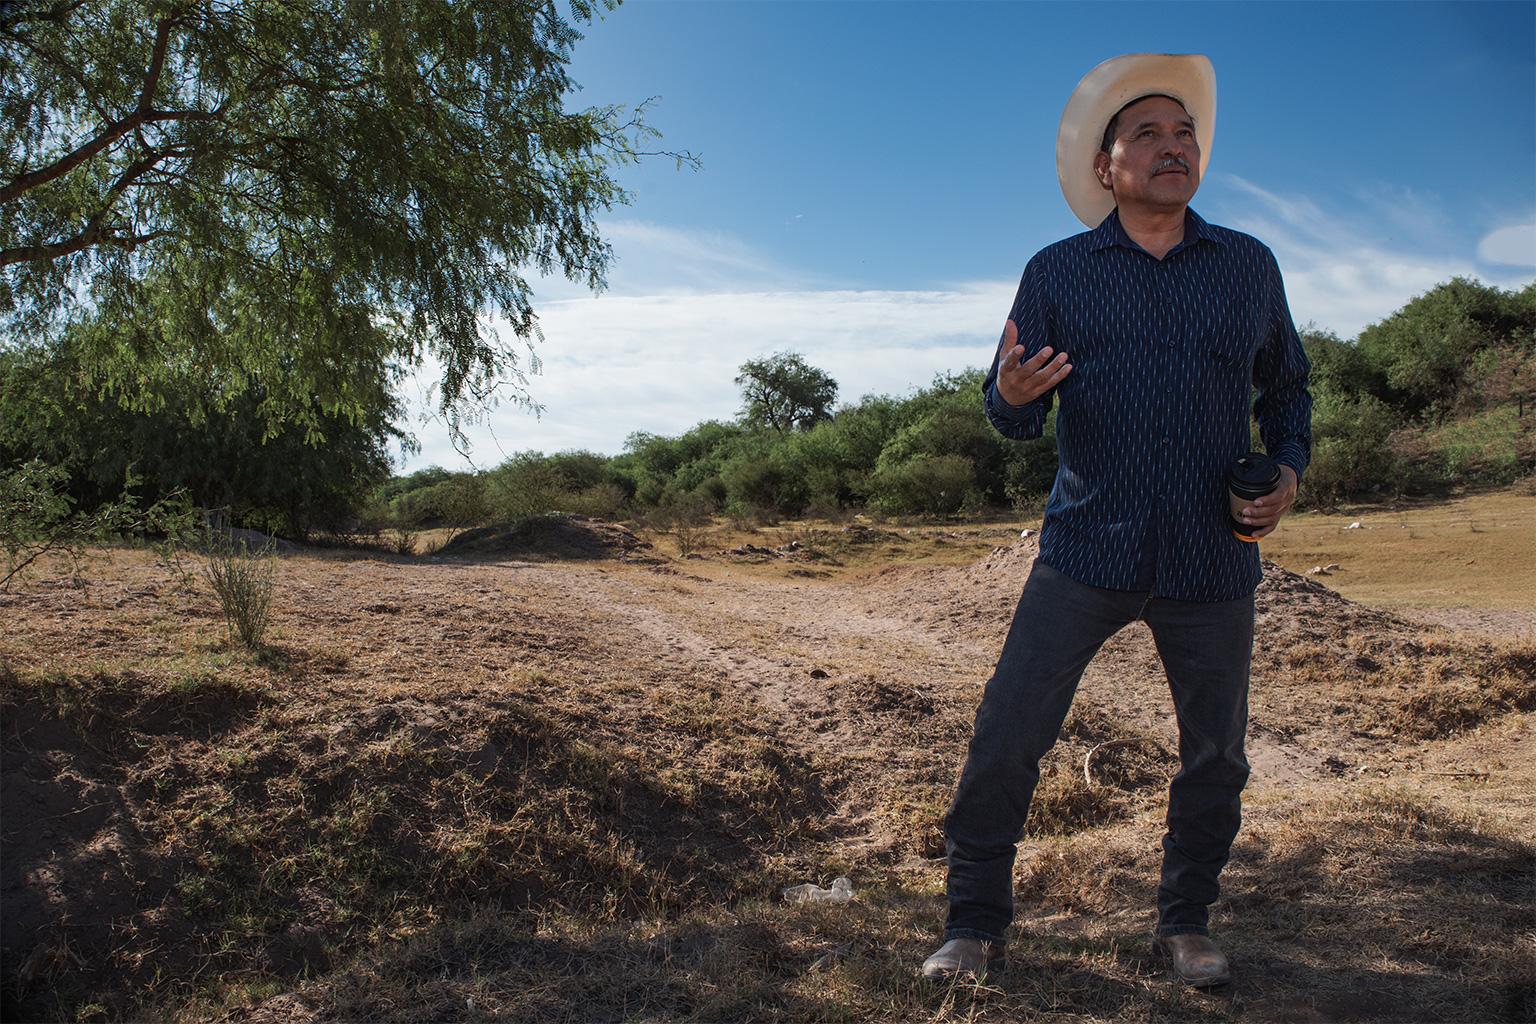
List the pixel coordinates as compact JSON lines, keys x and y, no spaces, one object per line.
{"x":1155,"y":160}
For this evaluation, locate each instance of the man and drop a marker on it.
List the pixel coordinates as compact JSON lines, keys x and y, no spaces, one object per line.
{"x":1147,"y":332}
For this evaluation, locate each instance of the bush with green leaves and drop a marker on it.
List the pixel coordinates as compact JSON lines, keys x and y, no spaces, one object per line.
{"x":932,"y":485}
{"x":288,"y":483}
{"x":1491,"y":448}
{"x":1352,"y":451}
{"x":1424,"y":353}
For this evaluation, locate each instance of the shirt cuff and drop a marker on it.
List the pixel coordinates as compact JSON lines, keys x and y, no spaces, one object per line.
{"x":1020,"y":413}
{"x":1293,"y":455}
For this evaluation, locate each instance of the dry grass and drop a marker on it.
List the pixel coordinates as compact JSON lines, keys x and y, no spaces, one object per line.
{"x":501,"y":790}
{"x":1475,"y":550}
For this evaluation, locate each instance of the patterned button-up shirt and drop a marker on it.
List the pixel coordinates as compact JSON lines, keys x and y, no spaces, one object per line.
{"x":1166,"y":356}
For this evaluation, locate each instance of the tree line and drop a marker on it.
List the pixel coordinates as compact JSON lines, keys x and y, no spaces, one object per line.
{"x":1439,"y":394}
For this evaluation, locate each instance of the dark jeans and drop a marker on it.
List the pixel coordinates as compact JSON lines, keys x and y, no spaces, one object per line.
{"x":1057,"y":628}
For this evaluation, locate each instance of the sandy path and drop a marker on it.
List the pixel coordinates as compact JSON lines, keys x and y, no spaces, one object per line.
{"x":789,"y":648}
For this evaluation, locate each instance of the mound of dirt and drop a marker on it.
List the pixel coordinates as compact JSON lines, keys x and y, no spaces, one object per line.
{"x":559,"y":537}
{"x":1320,"y":660}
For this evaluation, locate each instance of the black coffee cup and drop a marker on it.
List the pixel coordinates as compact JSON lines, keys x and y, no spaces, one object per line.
{"x":1251,"y":476}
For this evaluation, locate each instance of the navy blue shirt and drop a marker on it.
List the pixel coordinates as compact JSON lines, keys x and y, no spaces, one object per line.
{"x":1166,"y":356}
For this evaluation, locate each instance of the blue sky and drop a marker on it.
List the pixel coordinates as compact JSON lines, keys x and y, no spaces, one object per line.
{"x":876,"y":175}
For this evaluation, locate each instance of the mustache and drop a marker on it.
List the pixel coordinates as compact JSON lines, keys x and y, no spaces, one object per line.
{"x":1173,"y":161}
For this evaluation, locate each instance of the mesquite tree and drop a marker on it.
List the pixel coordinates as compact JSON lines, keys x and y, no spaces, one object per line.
{"x":785,"y":393}
{"x":297,"y":193}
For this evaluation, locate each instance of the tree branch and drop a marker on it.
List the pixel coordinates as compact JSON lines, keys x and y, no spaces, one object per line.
{"x":143,"y":114}
{"x":56,"y":14}
{"x":93,"y":235}
{"x":156,"y":64}
{"x":94,"y":232}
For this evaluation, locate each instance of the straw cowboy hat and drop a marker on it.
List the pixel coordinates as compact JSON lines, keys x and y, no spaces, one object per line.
{"x":1188,"y":77}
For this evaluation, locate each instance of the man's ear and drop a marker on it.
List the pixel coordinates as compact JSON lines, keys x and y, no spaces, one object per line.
{"x":1101,"y":169}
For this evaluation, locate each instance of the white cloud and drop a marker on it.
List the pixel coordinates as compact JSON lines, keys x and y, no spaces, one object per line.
{"x":618,"y":364}
{"x":659,"y":350}
{"x":1339,"y":272}
{"x":1515,"y":246}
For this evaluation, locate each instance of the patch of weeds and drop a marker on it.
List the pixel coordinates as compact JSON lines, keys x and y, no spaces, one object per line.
{"x":242,"y":581}
{"x":402,"y":540}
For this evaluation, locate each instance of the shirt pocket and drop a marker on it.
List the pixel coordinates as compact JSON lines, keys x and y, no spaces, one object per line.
{"x":1234,"y":340}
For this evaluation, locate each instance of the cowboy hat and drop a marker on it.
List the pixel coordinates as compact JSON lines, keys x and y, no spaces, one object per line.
{"x":1188,"y":77}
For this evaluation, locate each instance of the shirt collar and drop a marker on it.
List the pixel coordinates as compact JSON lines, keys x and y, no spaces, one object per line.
{"x":1110,"y":232}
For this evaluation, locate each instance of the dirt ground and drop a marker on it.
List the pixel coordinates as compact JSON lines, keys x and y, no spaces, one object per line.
{"x":563,"y":776}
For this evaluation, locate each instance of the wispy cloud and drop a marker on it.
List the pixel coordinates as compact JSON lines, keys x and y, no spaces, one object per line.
{"x":1345,"y":269}
{"x":659,"y":350}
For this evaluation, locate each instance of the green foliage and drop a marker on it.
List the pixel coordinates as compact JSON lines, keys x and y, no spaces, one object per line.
{"x":298,"y":194}
{"x":1460,"y":348}
{"x":218,"y":457}
{"x":952,"y":423}
{"x":758,"y":477}
{"x":398,"y":486}
{"x":1351,"y":450}
{"x":1340,"y":366}
{"x":923,"y":484}
{"x":1493,"y":447}
{"x":531,"y":483}
{"x":1424,"y":352}
{"x":657,"y":469}
{"x":784,"y":393}
{"x":457,"y":502}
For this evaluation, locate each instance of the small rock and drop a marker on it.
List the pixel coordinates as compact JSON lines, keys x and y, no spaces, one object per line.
{"x":810,"y":892}
{"x":1026,"y":533}
{"x":1356,"y":525}
{"x":1332,"y":567}
{"x":818,"y":673}
{"x":1318,"y":570}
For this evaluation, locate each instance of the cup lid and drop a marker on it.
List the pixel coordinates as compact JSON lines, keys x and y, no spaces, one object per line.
{"x":1254,"y":470}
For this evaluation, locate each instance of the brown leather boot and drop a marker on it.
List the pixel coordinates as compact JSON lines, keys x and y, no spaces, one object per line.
{"x":959,"y":956}
{"x":1196,"y":959}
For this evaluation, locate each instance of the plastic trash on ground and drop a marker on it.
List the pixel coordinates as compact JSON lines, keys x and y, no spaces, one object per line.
{"x":841,"y":892}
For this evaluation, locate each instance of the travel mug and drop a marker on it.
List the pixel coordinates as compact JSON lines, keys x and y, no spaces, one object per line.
{"x":1251,"y":476}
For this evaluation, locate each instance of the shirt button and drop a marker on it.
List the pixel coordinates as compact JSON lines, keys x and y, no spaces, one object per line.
{"x":1165,"y":442}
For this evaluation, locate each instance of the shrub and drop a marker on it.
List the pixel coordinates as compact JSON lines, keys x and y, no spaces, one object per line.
{"x":925,"y":484}
{"x":762,"y":479}
{"x":242,"y":581}
{"x":1495,"y":447}
{"x":38,"y":517}
{"x":1351,"y":452}
{"x":685,"y":521}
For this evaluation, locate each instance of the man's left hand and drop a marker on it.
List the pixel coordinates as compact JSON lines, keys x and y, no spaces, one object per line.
{"x":1263,"y":514}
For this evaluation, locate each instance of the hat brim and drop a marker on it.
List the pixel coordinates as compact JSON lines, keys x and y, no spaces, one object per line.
{"x":1189,"y":77}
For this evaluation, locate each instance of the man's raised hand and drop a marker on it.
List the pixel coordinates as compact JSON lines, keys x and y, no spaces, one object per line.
{"x":1020,"y":383}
